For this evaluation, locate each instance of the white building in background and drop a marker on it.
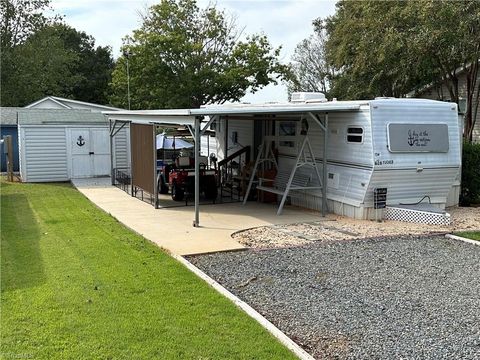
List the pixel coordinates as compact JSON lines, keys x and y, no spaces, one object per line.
{"x":61,"y":139}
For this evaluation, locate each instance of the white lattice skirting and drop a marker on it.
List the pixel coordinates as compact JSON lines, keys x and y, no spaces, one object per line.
{"x":416,"y":216}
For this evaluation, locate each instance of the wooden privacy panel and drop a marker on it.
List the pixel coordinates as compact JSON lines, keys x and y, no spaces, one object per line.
{"x":143,"y":156}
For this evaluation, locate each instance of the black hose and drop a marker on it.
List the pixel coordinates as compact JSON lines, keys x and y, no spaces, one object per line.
{"x":426,"y":196}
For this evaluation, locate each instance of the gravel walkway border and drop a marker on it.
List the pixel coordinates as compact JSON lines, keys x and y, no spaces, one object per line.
{"x":272,"y":329}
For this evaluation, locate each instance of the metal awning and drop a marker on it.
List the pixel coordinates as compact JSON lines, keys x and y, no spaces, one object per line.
{"x":167,"y":117}
{"x":187,"y":116}
{"x":246,"y":109}
{"x":193,"y":117}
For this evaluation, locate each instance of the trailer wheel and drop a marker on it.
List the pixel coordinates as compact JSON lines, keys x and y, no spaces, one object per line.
{"x":177,"y":193}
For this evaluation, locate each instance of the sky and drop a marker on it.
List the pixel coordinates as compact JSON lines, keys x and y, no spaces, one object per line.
{"x":285,"y":22}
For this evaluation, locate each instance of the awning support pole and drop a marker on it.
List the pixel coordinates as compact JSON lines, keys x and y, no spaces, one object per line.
{"x":325,"y":175}
{"x":112,"y":175}
{"x":155,"y":185}
{"x":196,"y":222}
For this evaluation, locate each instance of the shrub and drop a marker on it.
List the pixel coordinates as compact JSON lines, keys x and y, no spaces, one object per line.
{"x":470,"y":192}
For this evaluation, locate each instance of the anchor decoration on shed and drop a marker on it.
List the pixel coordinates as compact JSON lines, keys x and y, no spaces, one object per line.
{"x":80,"y":141}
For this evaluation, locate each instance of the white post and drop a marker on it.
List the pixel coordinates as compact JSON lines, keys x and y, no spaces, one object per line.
{"x":325,"y":175}
{"x":196,"y":222}
{"x":112,"y":167}
{"x":155,"y":185}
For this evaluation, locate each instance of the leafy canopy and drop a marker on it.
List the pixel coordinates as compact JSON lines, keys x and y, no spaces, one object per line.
{"x":184,"y":56}
{"x":309,"y":68}
{"x":392,"y":48}
{"x":42,"y":56}
{"x":389,"y":48}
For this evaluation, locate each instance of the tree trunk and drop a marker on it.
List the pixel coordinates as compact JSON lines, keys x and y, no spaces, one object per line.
{"x":469,"y":111}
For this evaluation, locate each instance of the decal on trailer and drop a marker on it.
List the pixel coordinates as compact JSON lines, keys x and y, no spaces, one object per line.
{"x":383,"y":162}
{"x":418,"y":138}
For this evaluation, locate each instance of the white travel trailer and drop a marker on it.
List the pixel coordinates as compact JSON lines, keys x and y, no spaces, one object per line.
{"x":409,"y":148}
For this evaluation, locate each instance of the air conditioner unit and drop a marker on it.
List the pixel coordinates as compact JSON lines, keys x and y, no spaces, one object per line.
{"x":302,"y":97}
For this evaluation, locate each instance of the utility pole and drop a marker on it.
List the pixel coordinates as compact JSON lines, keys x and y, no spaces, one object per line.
{"x":127,"y":55}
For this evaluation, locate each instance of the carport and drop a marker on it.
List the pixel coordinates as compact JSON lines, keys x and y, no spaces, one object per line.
{"x":193,"y":119}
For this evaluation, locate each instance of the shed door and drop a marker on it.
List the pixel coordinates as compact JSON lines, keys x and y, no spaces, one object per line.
{"x":90,"y":151}
{"x":101,"y":147}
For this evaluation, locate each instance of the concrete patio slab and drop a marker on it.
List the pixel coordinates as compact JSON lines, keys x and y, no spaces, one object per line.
{"x":172,"y":228}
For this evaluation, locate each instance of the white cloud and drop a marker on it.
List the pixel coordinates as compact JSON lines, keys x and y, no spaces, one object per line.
{"x":285,"y":23}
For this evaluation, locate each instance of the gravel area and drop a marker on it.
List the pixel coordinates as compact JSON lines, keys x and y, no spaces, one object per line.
{"x":404,"y":298}
{"x":335,"y":227}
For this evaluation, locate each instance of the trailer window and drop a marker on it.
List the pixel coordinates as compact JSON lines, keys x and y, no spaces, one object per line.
{"x":354,"y":135}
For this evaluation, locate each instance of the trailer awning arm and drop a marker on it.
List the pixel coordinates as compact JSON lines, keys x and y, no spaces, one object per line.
{"x":324,"y":126}
{"x":212,"y":119}
{"x":315,"y":118}
{"x":113,"y":130}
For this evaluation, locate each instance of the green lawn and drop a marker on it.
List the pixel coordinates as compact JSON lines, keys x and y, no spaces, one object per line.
{"x":474,"y":235}
{"x":76,"y":284}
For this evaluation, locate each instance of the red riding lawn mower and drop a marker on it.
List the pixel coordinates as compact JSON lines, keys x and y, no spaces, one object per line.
{"x":179,"y":178}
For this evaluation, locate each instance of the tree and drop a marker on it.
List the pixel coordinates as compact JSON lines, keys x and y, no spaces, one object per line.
{"x":93,"y":67}
{"x":42,"y":56}
{"x":451,"y":40}
{"x":20,"y":19}
{"x":310,"y":70}
{"x":370,"y":46}
{"x":391,"y":48}
{"x":38,"y":67}
{"x":183,"y":56}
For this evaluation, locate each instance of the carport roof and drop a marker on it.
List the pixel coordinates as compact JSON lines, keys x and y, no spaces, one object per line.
{"x":187,"y":116}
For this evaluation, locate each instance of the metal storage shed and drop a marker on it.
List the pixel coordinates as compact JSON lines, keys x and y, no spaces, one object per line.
{"x":61,"y":144}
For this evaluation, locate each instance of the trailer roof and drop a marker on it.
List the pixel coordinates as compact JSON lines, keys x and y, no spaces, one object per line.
{"x":187,"y":116}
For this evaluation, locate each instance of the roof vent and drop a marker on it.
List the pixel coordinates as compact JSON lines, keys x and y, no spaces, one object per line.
{"x":302,"y":97}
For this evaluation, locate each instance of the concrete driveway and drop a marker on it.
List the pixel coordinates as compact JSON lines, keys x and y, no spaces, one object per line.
{"x":172,"y":228}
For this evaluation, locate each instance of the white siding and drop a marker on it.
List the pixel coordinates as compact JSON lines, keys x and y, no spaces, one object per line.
{"x":339,"y":151}
{"x":121,"y":149}
{"x":208,"y":145}
{"x":409,"y":186}
{"x":44,"y":152}
{"x":437,"y":171}
{"x":244,"y":129}
{"x":48,"y":104}
{"x":384,"y":113}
